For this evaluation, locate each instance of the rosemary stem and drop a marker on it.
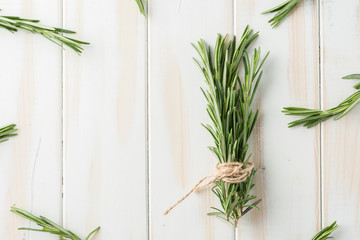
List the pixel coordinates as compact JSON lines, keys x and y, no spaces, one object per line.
{"x":53,"y":34}
{"x":312,"y":117}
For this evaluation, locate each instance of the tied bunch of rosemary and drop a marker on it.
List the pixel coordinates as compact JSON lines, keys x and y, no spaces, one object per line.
{"x":7,"y":132}
{"x":229,"y":105}
{"x":55,"y":35}
{"x":282,"y":11}
{"x":314,"y":116}
{"x":142,"y":4}
{"x":49,"y":226}
{"x":326,"y":232}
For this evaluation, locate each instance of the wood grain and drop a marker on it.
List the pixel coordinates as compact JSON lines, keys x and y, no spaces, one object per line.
{"x":340,"y":155}
{"x":83,"y":120}
{"x":178,"y":143}
{"x":104,"y":121}
{"x":288,"y":159}
{"x":30,"y":173}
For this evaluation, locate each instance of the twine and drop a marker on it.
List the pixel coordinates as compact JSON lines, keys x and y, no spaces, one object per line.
{"x":231,"y":172}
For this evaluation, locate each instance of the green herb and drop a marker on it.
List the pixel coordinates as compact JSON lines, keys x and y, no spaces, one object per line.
{"x":7,"y":132}
{"x":142,"y":4}
{"x":326,"y":232}
{"x":55,"y":35}
{"x":229,"y":105}
{"x":49,"y":226}
{"x":282,"y":11}
{"x":314,"y":117}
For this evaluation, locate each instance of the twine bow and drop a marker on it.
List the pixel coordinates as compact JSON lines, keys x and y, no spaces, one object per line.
{"x":231,"y":172}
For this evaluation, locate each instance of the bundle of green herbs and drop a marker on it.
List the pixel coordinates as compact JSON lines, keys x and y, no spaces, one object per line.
{"x":229,"y":105}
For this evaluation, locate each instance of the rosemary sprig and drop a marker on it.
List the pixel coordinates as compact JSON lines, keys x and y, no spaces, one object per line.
{"x":55,"y":35}
{"x":314,"y":117}
{"x":282,"y":11}
{"x":49,"y":226}
{"x":7,"y":132}
{"x":142,"y":4}
{"x":229,"y":106}
{"x":326,"y":232}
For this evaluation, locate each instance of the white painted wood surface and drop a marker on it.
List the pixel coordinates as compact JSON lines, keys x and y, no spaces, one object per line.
{"x":121,"y":124}
{"x":340,"y":153}
{"x":105,"y":121}
{"x":288,"y":159}
{"x":178,"y":143}
{"x":30,"y":172}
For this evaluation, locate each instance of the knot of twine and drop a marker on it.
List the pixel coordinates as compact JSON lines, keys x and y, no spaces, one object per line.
{"x":231,"y":172}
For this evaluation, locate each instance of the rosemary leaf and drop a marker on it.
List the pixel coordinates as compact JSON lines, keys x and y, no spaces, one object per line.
{"x":282,"y":11}
{"x":142,"y":4}
{"x":229,"y":106}
{"x":7,"y":132}
{"x":13,"y":24}
{"x":48,"y":226}
{"x":326,"y":232}
{"x":314,"y":117}
{"x":354,"y":76}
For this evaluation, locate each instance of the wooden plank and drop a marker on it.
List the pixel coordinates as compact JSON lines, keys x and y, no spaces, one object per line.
{"x":30,"y":172}
{"x":341,"y":157}
{"x":104,"y":120}
{"x":178,"y":143}
{"x":288,"y":159}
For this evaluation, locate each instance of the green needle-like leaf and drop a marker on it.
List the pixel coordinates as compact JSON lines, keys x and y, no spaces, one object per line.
{"x":13,"y":24}
{"x":312,"y":117}
{"x":142,"y":4}
{"x":354,"y":76}
{"x":326,"y":232}
{"x":7,"y":132}
{"x":282,"y":11}
{"x":229,"y":99}
{"x":48,"y":226}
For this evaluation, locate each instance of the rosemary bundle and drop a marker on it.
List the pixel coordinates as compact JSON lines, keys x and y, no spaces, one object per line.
{"x":55,"y":35}
{"x":326,"y":232}
{"x":49,"y":226}
{"x":142,"y":4}
{"x":314,"y":117}
{"x":229,"y":105}
{"x":282,"y":11}
{"x":7,"y":132}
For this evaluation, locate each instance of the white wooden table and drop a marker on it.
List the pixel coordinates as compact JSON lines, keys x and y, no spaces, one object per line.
{"x":113,"y":137}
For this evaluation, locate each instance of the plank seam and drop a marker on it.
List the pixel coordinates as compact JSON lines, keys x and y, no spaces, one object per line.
{"x":321,"y":130}
{"x":147,"y":124}
{"x":62,"y":202}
